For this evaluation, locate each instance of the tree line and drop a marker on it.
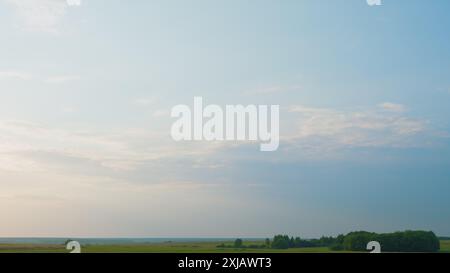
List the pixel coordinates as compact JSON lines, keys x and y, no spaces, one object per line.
{"x":403,"y":241}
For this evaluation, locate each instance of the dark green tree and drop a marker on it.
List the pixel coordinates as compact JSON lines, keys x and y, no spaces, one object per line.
{"x":267,"y":242}
{"x":238,"y":243}
{"x":280,"y":242}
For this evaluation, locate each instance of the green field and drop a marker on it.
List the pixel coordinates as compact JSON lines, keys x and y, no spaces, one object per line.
{"x":168,"y":247}
{"x":445,"y":246}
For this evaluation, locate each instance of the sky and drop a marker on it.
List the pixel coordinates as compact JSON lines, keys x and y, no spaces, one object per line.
{"x":86,"y":93}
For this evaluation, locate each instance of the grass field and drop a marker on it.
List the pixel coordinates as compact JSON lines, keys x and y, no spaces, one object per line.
{"x":168,"y":247}
{"x":445,"y":246}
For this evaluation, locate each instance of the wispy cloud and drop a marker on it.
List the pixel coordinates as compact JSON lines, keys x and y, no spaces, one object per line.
{"x":392,"y":107}
{"x":11,"y":74}
{"x":33,"y":144}
{"x":136,"y":155}
{"x":370,"y":128}
{"x":39,"y":15}
{"x":129,"y":149}
{"x":25,"y":76}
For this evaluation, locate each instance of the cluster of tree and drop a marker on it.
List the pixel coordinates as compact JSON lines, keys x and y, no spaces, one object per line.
{"x":406,"y":241}
{"x":239,"y":243}
{"x":284,"y":242}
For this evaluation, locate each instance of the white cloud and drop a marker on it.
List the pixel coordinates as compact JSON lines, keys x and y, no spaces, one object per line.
{"x":39,"y":15}
{"x":370,"y":128}
{"x":11,"y":74}
{"x":392,"y":107}
{"x":24,"y":76}
{"x":45,"y":148}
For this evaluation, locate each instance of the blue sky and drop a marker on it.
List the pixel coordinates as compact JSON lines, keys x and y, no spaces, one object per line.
{"x":86,"y":92}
